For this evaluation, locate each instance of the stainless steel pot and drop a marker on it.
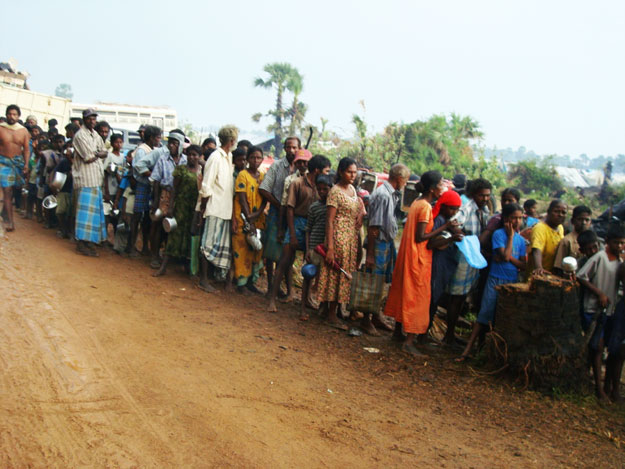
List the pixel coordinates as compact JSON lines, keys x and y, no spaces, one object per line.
{"x":157,"y":215}
{"x":49,"y":202}
{"x":59,"y":180}
{"x":169,"y":224}
{"x":253,"y":239}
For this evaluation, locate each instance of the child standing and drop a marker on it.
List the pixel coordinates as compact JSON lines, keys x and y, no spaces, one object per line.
{"x":248,"y":203}
{"x":64,"y":211}
{"x":444,"y":249}
{"x":531,"y":213}
{"x":509,"y":258}
{"x":599,"y":278}
{"x":588,"y":247}
{"x":569,"y":245}
{"x":315,"y":235}
{"x":302,"y":193}
{"x":113,"y":170}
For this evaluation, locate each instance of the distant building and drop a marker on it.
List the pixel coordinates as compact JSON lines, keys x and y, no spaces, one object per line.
{"x":130,"y":116}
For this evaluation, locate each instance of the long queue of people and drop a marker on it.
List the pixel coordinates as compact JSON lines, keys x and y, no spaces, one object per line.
{"x":229,"y":222}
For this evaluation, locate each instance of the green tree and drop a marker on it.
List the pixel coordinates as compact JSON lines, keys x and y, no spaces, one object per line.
{"x":190,"y":132}
{"x":64,"y":90}
{"x":297,"y":111}
{"x":282,"y":77}
{"x":536,"y":175}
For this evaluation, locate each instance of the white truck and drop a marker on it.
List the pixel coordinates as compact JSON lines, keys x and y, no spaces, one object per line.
{"x":43,"y":106}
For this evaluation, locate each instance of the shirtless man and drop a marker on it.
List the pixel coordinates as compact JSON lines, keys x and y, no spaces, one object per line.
{"x":14,"y":151}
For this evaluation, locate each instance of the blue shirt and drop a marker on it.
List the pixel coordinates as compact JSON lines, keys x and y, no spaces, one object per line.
{"x":531,"y":221}
{"x":505,"y":270}
{"x":163,"y":171}
{"x":382,"y":206}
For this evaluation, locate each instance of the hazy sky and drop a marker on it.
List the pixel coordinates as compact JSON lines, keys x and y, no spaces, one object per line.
{"x":548,"y":75}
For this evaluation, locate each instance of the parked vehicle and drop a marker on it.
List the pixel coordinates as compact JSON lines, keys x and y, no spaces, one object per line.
{"x":43,"y":106}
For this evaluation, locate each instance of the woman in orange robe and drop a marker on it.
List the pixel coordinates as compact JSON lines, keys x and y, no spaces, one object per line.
{"x":409,"y":296}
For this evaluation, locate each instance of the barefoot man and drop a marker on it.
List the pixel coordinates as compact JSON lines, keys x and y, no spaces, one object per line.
{"x":88,"y":174}
{"x":14,"y":151}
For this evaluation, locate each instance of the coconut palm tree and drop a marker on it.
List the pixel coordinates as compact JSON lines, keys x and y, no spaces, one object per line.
{"x":297,"y":111}
{"x":282,"y":77}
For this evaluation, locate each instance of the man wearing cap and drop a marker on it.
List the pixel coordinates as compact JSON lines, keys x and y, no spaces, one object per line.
{"x":140,"y":131}
{"x":14,"y":151}
{"x":88,"y":172}
{"x":302,"y":193}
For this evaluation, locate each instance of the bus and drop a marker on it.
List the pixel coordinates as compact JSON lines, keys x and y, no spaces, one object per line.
{"x":130,"y":117}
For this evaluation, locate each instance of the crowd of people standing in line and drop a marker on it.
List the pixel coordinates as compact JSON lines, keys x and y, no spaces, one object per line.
{"x":233,"y":221}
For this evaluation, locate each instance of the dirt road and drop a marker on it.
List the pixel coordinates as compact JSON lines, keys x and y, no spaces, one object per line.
{"x":104,"y":366}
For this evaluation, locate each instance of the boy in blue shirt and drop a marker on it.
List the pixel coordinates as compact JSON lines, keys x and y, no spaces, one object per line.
{"x":509,"y":258}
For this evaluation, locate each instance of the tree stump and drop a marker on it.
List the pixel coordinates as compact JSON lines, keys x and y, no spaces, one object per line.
{"x":538,"y":333}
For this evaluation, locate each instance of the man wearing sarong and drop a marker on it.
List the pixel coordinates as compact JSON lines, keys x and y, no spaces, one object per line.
{"x":143,"y":162}
{"x":271,"y":189}
{"x":88,"y":172}
{"x":381,"y":233}
{"x":14,"y":151}
{"x":217,"y":193}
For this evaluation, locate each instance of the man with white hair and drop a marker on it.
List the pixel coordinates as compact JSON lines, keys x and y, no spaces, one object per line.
{"x":381,"y":233}
{"x":217,"y":193}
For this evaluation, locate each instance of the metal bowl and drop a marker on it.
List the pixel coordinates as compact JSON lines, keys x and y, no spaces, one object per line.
{"x":169,"y":224}
{"x":253,"y":239}
{"x":59,"y":180}
{"x":569,"y":264}
{"x":49,"y":202}
{"x":157,"y":215}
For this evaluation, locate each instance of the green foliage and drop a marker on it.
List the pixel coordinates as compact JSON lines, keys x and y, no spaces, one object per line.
{"x":536,"y":175}
{"x":439,"y":143}
{"x":190,"y":132}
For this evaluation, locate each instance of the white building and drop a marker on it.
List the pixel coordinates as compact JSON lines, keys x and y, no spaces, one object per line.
{"x":128,"y":116}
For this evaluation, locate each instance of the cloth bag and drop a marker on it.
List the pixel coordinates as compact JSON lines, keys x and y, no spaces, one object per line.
{"x":367,"y":290}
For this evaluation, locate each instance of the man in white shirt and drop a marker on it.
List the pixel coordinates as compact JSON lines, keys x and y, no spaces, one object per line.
{"x":217,"y":193}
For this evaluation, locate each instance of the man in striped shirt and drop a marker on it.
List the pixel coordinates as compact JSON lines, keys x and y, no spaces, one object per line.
{"x":88,"y":171}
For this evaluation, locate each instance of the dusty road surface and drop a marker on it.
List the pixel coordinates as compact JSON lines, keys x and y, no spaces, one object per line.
{"x":102,"y":365}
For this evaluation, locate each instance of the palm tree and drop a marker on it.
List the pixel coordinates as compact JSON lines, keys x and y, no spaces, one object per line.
{"x":298,"y":109}
{"x":465,"y":128}
{"x":282,"y":77}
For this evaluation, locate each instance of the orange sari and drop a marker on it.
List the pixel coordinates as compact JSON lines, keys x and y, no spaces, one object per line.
{"x":409,"y":296}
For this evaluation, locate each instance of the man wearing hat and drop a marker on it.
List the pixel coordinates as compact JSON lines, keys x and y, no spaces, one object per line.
{"x":140,"y":131}
{"x":302,"y":193}
{"x":87,"y":172}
